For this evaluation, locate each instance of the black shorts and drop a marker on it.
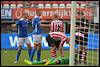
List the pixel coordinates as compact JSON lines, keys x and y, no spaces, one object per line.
{"x":51,"y":41}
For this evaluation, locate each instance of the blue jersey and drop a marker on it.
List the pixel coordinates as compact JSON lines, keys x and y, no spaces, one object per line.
{"x":22,"y":26}
{"x":36,"y":25}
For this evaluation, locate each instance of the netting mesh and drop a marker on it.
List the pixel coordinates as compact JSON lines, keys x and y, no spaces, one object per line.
{"x":87,"y":42}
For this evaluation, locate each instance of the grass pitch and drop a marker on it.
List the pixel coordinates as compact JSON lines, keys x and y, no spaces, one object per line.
{"x":8,"y":58}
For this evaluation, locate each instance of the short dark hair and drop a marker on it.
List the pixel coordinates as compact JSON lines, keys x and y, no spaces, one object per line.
{"x":38,"y":12}
{"x":82,"y":13}
{"x":55,"y":15}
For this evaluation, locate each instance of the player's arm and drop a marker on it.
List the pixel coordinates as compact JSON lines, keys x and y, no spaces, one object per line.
{"x":34,"y":22}
{"x":16,"y":24}
{"x":14,"y":28}
{"x":13,"y":25}
{"x":67,"y":40}
{"x":61,"y":48}
{"x":45,"y":25}
{"x":29,"y":22}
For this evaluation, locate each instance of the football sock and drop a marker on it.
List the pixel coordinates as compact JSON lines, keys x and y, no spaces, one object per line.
{"x":18,"y":52}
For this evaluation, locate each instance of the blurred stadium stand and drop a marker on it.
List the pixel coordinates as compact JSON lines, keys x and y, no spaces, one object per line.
{"x":46,"y":4}
{"x":18,"y":4}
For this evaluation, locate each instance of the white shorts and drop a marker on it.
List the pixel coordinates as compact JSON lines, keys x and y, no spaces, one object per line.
{"x":21,"y":41}
{"x":37,"y":39}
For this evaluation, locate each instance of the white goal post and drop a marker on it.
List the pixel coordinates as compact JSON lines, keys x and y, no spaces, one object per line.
{"x":72,"y":33}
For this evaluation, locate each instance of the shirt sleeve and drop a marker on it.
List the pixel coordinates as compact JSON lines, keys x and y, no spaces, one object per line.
{"x":38,"y":20}
{"x":29,"y":22}
{"x":18,"y":22}
{"x":62,"y":27}
{"x":35,"y":22}
{"x":52,"y":27}
{"x":62,"y":42}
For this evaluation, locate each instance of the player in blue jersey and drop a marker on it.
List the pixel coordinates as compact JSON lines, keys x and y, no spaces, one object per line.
{"x":36,"y":24}
{"x":22,"y":26}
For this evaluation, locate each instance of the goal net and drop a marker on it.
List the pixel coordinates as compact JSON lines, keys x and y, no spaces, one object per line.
{"x":86,"y":47}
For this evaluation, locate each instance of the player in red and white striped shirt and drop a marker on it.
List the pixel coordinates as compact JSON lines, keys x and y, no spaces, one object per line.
{"x":56,"y":39}
{"x":57,"y":25}
{"x":59,"y":36}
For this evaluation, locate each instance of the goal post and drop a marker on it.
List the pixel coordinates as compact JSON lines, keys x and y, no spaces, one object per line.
{"x":72,"y":32}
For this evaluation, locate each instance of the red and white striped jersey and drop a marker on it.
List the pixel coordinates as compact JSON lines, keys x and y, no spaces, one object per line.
{"x":57,"y":26}
{"x":79,"y":34}
{"x":59,"y":35}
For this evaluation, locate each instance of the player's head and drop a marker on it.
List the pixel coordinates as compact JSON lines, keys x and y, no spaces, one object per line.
{"x":82,"y":13}
{"x":67,"y":39}
{"x":25,"y":15}
{"x":55,"y":16}
{"x":38,"y":13}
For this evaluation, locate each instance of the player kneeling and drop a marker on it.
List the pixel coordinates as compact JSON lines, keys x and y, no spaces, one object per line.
{"x":56,"y":40}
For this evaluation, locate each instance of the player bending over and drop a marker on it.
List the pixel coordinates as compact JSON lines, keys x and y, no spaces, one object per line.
{"x":56,"y":40}
{"x":22,"y":26}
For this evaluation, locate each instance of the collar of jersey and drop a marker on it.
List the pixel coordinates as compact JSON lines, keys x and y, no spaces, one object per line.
{"x":23,"y":19}
{"x":37,"y":16}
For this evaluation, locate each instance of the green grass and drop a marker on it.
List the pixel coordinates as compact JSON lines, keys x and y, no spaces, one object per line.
{"x":8,"y":57}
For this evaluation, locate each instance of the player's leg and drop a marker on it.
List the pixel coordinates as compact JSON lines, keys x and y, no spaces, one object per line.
{"x":39,"y":52}
{"x":83,"y":50}
{"x":60,"y":46}
{"x":85,"y":54}
{"x":76,"y":56}
{"x":20,"y":42}
{"x":29,"y":46}
{"x":34,"y":49}
{"x":53,"y":51}
{"x":76,"y":50}
{"x":61,"y":50}
{"x":39,"y":41}
{"x":50,"y":41}
{"x":33,"y":52}
{"x":85,"y":45}
{"x":80,"y":53}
